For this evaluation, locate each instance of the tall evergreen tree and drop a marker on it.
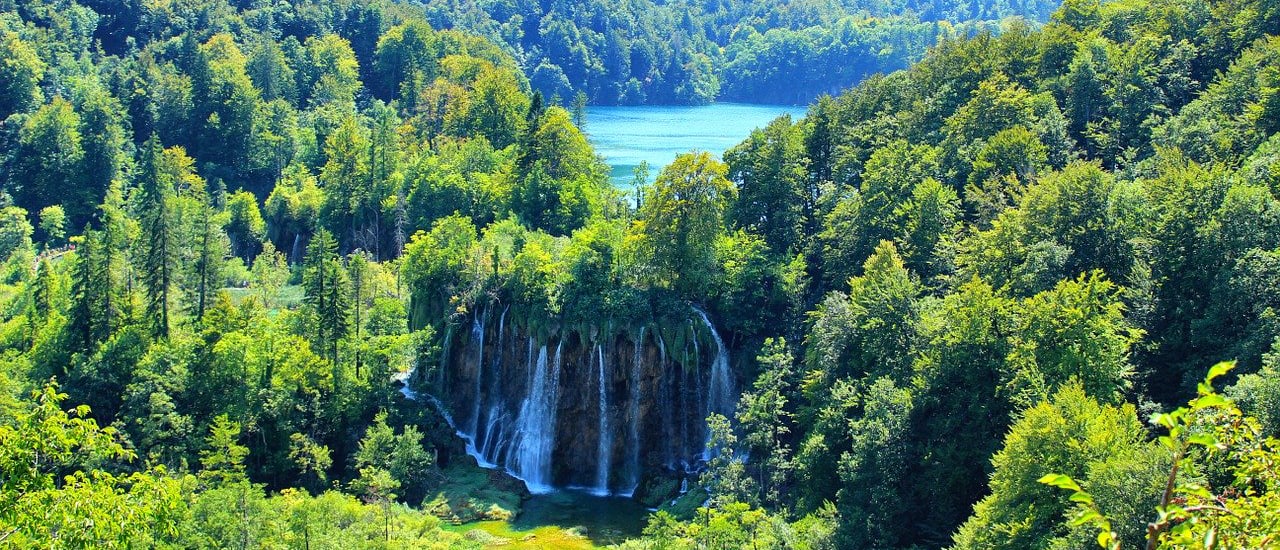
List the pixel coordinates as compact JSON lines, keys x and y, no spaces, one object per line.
{"x":358,"y":267}
{"x":326,"y":298}
{"x":84,"y":294}
{"x":160,"y":245}
{"x":209,"y":252}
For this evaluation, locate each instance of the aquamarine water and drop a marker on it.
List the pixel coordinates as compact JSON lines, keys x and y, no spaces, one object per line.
{"x":625,"y":136}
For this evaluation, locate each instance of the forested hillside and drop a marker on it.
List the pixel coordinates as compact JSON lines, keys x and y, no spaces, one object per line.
{"x":257,"y":259}
{"x":1013,"y":253}
{"x":200,"y":202}
{"x":693,"y":52}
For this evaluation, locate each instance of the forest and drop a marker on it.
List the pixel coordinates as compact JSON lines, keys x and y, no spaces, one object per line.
{"x":694,"y":52}
{"x":264,"y":263}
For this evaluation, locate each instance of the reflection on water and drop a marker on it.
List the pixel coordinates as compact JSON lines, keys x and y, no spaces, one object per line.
{"x":625,"y":136}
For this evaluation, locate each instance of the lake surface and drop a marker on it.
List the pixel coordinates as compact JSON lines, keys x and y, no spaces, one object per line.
{"x":625,"y":136}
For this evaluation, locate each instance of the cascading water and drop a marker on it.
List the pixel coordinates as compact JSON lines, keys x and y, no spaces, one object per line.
{"x":477,"y":336}
{"x":565,"y":409}
{"x":684,"y":417}
{"x":604,"y":454}
{"x":665,"y":383}
{"x":444,"y":355}
{"x":537,"y":426}
{"x":720,"y":398}
{"x":633,"y":417}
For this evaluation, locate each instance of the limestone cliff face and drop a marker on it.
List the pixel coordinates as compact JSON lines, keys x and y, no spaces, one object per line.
{"x":594,"y":407}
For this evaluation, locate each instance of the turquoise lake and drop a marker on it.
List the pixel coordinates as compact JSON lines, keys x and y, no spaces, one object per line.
{"x":625,"y":136}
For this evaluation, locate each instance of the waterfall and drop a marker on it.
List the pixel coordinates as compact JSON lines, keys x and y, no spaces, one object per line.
{"x":498,"y":413}
{"x":699,"y":392}
{"x":532,"y":416}
{"x":683,"y":389}
{"x":444,"y":356}
{"x":633,"y":422}
{"x":537,"y":425}
{"x":477,"y":336}
{"x":444,"y":413}
{"x":665,"y":382}
{"x":606,"y":436}
{"x":720,"y":397}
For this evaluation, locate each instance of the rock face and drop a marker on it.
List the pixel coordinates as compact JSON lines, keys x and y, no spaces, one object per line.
{"x":592,"y":407}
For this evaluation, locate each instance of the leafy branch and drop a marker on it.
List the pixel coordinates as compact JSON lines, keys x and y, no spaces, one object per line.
{"x":1175,"y":514}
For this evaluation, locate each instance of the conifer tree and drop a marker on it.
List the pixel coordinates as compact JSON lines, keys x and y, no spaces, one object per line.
{"x":358,"y":267}
{"x":158,"y":227}
{"x":41,"y":301}
{"x":208,"y":260}
{"x":326,"y":298}
{"x":84,"y":293}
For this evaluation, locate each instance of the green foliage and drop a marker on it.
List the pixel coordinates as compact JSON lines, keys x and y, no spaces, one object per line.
{"x":873,"y":329}
{"x":1069,"y":433}
{"x":20,"y":72}
{"x":401,"y":456}
{"x":877,"y":211}
{"x":324,"y":284}
{"x":653,"y":52}
{"x":1006,"y":240}
{"x":15,"y":231}
{"x":157,"y":181}
{"x":1188,"y":512}
{"x":765,"y":421}
{"x":563,"y":184}
{"x":774,"y":200}
{"x":49,"y":158}
{"x":433,"y":268}
{"x":53,"y":223}
{"x":1075,"y":331}
{"x":244,"y":226}
{"x":223,"y":458}
{"x":673,"y":240}
{"x":736,"y":525}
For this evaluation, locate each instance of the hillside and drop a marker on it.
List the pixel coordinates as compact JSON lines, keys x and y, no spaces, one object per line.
{"x":324,"y":274}
{"x":689,"y":52}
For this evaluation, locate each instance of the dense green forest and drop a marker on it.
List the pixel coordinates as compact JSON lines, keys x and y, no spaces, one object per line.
{"x":972,"y":303}
{"x":693,"y":52}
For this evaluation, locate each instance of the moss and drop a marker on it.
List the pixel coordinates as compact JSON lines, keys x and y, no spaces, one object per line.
{"x":657,"y":490}
{"x":469,"y":494}
{"x":686,"y":506}
{"x":485,"y":538}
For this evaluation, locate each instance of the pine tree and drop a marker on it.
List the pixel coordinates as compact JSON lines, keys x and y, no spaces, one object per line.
{"x":208,"y":261}
{"x":42,"y":291}
{"x":113,"y":271}
{"x":41,"y":301}
{"x":158,"y":228}
{"x":326,"y":298}
{"x":84,"y":294}
{"x":358,"y":267}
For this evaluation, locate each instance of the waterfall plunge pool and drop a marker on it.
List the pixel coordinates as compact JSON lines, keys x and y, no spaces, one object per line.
{"x":567,"y":518}
{"x":570,"y":519}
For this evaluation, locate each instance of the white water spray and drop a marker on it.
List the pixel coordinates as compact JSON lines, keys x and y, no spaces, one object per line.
{"x":537,"y":426}
{"x":633,"y":421}
{"x":720,"y":398}
{"x":604,"y":458}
